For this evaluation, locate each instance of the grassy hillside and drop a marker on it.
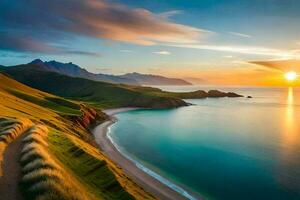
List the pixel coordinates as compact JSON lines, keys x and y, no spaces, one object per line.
{"x":97,"y":93}
{"x":63,"y":155}
{"x":37,"y":97}
{"x":103,"y":94}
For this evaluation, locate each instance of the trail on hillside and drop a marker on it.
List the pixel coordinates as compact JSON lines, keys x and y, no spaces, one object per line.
{"x":12,"y":171}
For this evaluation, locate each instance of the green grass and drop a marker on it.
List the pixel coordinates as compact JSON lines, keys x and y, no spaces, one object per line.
{"x":63,"y":102}
{"x":102,"y":94}
{"x":43,"y":178}
{"x":90,"y":170}
{"x":57,"y":104}
{"x":96,"y":93}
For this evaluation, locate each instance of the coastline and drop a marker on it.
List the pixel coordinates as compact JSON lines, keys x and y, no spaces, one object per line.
{"x":154,"y":185}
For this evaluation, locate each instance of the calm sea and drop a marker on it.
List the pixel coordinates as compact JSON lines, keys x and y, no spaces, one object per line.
{"x":224,"y":148}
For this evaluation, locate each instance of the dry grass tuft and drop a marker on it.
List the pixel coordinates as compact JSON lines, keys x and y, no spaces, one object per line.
{"x":10,"y":129}
{"x":43,"y":177}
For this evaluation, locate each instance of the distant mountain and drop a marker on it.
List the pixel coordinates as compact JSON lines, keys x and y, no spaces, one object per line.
{"x":103,"y":94}
{"x":96,"y":93}
{"x":73,"y":70}
{"x":149,"y":79}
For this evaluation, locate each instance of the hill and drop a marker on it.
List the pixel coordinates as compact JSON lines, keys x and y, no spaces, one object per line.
{"x":46,"y":144}
{"x":149,"y":79}
{"x":73,"y":70}
{"x":97,"y":93}
{"x":103,"y":94}
{"x":16,"y":89}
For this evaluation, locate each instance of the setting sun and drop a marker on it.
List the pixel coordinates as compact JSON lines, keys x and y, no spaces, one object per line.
{"x":290,"y":76}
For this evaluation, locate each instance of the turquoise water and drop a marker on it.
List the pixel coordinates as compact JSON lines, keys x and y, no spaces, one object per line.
{"x":227,"y":148}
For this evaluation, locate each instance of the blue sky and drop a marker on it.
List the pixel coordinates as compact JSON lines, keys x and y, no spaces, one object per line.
{"x":171,"y":37}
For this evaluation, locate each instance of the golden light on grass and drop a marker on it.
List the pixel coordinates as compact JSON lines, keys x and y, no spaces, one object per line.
{"x":10,"y":129}
{"x":43,"y":177}
{"x":290,"y":76}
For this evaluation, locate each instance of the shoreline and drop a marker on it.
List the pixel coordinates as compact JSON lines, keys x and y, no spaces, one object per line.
{"x":153,"y":183}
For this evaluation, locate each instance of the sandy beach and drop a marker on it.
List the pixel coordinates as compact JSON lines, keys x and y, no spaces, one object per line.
{"x":149,"y":183}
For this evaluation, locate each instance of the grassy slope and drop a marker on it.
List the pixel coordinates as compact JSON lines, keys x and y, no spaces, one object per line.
{"x":97,"y":93}
{"x":103,"y":94}
{"x":43,"y":176}
{"x":37,"y":97}
{"x":18,"y":100}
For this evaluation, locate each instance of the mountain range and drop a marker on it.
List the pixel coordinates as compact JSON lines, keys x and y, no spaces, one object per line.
{"x":135,"y":78}
{"x":101,"y":94}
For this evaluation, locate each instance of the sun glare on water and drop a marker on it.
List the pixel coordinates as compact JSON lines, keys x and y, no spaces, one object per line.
{"x":290,"y":76}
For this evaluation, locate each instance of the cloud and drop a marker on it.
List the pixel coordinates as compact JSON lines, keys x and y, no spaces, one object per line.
{"x":14,"y":55}
{"x":84,"y":53}
{"x":126,"y":51}
{"x":24,"y":43}
{"x":171,"y":13}
{"x":196,"y":80}
{"x":228,"y":56}
{"x":251,"y":50}
{"x":13,"y":42}
{"x":240,"y":34}
{"x":166,"y":53}
{"x":251,"y":75}
{"x":282,"y":65}
{"x":44,"y":23}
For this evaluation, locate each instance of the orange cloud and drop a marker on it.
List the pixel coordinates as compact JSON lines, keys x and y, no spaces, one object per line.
{"x":114,"y":21}
{"x":44,"y":23}
{"x":245,"y":76}
{"x":282,"y":65}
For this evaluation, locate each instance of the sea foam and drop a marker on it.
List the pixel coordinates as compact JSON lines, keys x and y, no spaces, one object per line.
{"x":150,"y":172}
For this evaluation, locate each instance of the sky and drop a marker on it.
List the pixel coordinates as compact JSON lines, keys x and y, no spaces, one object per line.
{"x":220,"y":42}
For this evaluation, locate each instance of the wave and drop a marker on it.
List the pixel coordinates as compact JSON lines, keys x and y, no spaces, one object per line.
{"x":150,"y":172}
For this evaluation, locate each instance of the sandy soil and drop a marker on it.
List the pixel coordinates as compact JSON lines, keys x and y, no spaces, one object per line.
{"x":146,"y":181}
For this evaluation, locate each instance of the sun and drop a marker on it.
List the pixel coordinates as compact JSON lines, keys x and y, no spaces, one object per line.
{"x":290,"y":76}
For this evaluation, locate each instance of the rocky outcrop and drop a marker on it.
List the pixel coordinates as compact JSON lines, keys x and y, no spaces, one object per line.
{"x":89,"y":116}
{"x":217,"y":93}
{"x":175,"y":100}
{"x":199,"y":94}
{"x":158,"y":102}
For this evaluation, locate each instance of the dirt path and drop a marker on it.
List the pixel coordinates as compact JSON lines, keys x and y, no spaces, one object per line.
{"x":11,"y":171}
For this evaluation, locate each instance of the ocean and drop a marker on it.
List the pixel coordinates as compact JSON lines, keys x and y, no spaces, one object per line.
{"x":219,"y":148}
